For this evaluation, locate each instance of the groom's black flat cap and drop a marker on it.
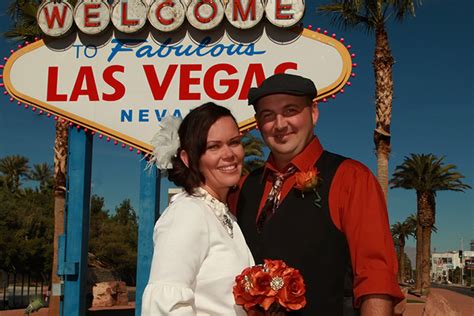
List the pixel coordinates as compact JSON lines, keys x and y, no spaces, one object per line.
{"x":283,"y":83}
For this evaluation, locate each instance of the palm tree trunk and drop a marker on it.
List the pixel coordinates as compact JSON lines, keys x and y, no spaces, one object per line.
{"x":419,"y":255}
{"x":425,"y":281}
{"x":383,"y":62}
{"x":382,"y":148}
{"x":60,"y":162}
{"x":426,"y":218}
{"x":401,"y":265}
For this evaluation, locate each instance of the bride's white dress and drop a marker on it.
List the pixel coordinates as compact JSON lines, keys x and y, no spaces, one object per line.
{"x":196,"y":259}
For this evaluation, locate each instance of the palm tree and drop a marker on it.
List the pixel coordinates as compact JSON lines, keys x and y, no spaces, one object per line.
{"x":373,"y":15}
{"x":253,"y":148}
{"x":42,"y":173}
{"x":417,"y":234}
{"x":426,"y":174}
{"x":14,"y":168}
{"x":23,"y":14}
{"x":25,"y":28}
{"x":60,"y":167}
{"x":415,"y":227}
{"x":400,"y":232}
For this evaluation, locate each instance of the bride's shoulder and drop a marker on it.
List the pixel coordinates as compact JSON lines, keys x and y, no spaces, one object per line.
{"x":186,"y":199}
{"x":185,"y":204}
{"x":184,"y":216}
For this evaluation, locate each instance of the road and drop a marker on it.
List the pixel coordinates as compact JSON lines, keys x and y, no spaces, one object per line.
{"x":457,"y":289}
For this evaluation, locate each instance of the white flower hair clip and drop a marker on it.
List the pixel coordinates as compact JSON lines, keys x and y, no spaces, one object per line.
{"x":165,"y":143}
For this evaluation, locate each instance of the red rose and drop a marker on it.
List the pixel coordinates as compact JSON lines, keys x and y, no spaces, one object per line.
{"x":291,"y":296}
{"x":252,"y":288}
{"x":260,"y":282}
{"x":241,"y":290}
{"x":275,"y":267}
{"x":271,"y":288}
{"x":267,"y":302}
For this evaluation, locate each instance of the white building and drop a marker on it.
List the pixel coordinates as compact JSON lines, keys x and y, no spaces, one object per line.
{"x":441,"y":262}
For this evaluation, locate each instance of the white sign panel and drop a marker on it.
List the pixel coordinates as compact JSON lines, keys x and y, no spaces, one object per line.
{"x":123,"y":89}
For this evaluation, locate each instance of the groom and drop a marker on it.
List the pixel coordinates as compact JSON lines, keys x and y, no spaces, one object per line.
{"x":321,"y":213}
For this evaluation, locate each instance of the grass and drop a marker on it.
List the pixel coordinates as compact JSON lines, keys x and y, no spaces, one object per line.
{"x":414,"y":301}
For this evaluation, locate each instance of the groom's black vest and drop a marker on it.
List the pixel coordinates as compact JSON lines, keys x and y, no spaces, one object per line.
{"x":304,"y":236}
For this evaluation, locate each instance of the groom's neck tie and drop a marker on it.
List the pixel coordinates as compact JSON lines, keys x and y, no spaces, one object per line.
{"x":273,"y":199}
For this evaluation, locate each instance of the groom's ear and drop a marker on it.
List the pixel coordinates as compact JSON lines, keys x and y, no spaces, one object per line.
{"x":183,"y":155}
{"x":314,"y":112}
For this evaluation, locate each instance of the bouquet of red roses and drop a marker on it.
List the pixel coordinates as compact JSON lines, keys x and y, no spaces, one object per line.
{"x":273,"y":285}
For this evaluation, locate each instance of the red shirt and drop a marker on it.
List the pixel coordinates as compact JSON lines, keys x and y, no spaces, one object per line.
{"x":357,"y":208}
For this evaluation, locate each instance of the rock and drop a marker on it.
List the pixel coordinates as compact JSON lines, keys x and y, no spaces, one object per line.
{"x":98,"y":271}
{"x":107,"y":294}
{"x":122,"y":294}
{"x":102,"y":295}
{"x":437,"y":305}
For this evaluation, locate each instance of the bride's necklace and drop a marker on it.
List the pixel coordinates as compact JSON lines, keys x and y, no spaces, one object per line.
{"x":220,"y":210}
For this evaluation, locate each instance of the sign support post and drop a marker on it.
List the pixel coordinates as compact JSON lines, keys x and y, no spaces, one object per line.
{"x":148,"y":213}
{"x":77,"y":229}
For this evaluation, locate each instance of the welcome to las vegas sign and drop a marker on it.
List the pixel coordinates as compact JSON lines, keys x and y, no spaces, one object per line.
{"x":121,"y":85}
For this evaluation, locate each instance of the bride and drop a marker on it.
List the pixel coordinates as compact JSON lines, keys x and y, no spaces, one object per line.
{"x":199,"y":248}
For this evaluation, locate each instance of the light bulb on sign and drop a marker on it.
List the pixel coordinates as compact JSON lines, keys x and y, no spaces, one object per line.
{"x":129,"y":16}
{"x":54,"y":17}
{"x":92,"y":16}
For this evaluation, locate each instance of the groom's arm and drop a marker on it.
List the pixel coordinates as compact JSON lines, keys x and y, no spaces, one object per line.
{"x":376,"y":305}
{"x":358,"y":209}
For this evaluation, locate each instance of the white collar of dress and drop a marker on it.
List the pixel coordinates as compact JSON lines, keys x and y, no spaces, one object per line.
{"x":220,"y":209}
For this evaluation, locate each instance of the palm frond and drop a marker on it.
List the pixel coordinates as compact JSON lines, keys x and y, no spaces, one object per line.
{"x":252,"y":164}
{"x":253,"y":149}
{"x":14,"y":168}
{"x":427,"y":173}
{"x":405,"y":7}
{"x":23,"y":15}
{"x":253,"y":146}
{"x":29,"y":10}
{"x":347,"y":14}
{"x":367,"y":14}
{"x":23,"y":32}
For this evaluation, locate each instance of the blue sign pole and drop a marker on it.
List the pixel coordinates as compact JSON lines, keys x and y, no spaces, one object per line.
{"x":165,"y":186}
{"x":148,"y":213}
{"x":74,"y":267}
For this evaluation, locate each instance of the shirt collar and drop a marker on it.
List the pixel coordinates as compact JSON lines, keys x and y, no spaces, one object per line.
{"x":303,"y":161}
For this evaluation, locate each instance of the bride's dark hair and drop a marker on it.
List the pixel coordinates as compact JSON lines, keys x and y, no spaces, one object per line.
{"x":193,"y":133}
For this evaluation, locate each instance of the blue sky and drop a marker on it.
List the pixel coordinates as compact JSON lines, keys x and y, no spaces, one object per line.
{"x":432,"y":113}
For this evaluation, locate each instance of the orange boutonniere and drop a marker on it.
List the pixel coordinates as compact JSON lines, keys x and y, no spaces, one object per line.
{"x":308,"y":182}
